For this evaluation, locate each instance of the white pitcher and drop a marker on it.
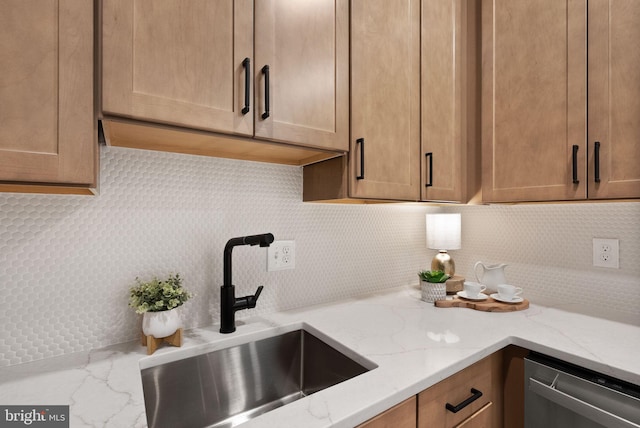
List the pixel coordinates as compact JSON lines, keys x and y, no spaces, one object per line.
{"x":491,"y":276}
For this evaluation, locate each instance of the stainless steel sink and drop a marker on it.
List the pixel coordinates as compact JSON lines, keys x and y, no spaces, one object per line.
{"x":226,"y":387}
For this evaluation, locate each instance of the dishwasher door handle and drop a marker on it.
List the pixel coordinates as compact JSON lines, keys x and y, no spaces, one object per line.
{"x":576,"y":405}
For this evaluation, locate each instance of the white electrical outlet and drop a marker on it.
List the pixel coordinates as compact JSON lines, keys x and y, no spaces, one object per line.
{"x":606,"y":253}
{"x":281,"y":255}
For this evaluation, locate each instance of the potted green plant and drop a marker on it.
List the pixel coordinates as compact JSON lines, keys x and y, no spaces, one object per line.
{"x":433,"y":285}
{"x":158,"y":301}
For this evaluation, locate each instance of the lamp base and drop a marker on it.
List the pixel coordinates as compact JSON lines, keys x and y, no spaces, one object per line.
{"x":443,"y":262}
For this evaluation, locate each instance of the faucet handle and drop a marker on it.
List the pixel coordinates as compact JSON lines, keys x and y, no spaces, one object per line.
{"x":247,"y":302}
{"x":258,"y":291}
{"x":252,"y":300}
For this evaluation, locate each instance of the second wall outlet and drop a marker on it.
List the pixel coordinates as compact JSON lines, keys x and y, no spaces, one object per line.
{"x":606,"y":253}
{"x":281,"y":255}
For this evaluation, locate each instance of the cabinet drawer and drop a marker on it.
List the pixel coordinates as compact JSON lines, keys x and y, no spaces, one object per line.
{"x":432,"y":411}
{"x":480,"y":419}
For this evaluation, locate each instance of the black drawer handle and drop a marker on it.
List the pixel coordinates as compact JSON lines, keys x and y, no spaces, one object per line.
{"x":596,"y":161}
{"x":455,"y":409}
{"x":247,"y":84}
{"x":361,"y":142}
{"x":575,"y":164}
{"x":265,"y":71}
{"x":430,"y":157}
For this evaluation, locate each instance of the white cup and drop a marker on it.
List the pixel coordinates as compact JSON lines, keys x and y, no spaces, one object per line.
{"x":473,"y":289}
{"x":508,"y":292}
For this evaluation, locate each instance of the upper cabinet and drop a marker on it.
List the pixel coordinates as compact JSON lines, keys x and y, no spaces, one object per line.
{"x":450,"y":140}
{"x":302,"y":72}
{"x":537,"y":144}
{"x":614,"y":99}
{"x":533,"y":100}
{"x":385,"y":99}
{"x":384,"y":157}
{"x":178,"y":63}
{"x":201,"y":66}
{"x":47,"y":117}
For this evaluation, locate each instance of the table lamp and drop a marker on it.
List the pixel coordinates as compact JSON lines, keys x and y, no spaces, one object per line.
{"x":444,"y":233}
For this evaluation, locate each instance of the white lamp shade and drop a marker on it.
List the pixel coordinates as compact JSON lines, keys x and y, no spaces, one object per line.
{"x":444,"y":231}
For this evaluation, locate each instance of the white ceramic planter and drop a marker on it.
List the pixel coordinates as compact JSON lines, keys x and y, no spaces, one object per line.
{"x":432,"y":291}
{"x":161,"y":324}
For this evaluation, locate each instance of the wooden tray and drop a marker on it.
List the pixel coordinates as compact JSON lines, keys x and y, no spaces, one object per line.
{"x":488,"y":305}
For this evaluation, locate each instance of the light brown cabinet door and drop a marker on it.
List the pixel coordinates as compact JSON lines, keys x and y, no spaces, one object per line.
{"x":385,"y":99}
{"x":47,"y":120}
{"x":305,"y":46}
{"x":533,"y":100}
{"x":401,"y":416}
{"x":178,"y":62}
{"x":448,"y":101}
{"x":614,"y":98}
{"x":432,"y":411}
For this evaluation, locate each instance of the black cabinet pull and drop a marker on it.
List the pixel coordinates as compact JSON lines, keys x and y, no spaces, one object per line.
{"x":429,"y":156}
{"x":247,"y":84}
{"x":455,"y":409}
{"x":596,"y":161}
{"x":361,"y":142}
{"x":575,"y":164}
{"x":265,"y":71}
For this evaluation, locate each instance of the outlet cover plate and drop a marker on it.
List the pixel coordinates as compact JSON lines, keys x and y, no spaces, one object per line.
{"x":281,"y":255}
{"x":606,"y":253}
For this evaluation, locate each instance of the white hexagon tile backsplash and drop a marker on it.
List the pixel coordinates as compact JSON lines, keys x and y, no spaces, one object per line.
{"x":67,"y":262}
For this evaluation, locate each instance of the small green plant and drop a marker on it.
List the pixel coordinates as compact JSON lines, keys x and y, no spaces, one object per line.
{"x":433,"y":276}
{"x":157,"y":295}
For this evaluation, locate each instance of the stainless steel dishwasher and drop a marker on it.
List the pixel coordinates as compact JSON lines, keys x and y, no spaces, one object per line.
{"x":559,"y":394}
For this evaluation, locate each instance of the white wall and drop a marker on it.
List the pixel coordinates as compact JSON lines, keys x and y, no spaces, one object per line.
{"x":548,"y":252}
{"x":66,"y":262}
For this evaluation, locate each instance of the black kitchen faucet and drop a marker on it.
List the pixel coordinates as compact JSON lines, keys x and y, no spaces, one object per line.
{"x":229,"y":304}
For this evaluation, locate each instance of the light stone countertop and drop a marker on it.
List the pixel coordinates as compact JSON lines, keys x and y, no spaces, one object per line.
{"x":414,"y":344}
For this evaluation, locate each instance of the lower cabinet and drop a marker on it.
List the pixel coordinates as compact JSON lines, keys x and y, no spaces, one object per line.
{"x":402,"y":415}
{"x":487,"y":394}
{"x":481,"y":419}
{"x":469,"y":398}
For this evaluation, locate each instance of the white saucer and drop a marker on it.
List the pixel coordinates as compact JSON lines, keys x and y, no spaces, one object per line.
{"x":481,"y":296}
{"x":515,"y":299}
